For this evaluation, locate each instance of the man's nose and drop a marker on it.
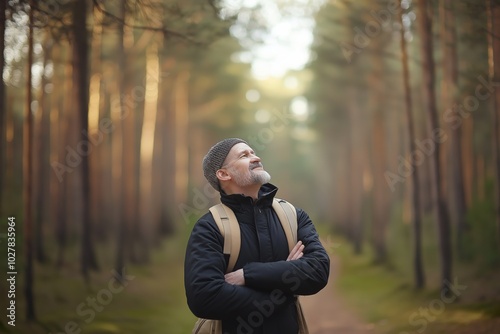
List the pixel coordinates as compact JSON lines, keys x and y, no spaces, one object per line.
{"x":255,"y":158}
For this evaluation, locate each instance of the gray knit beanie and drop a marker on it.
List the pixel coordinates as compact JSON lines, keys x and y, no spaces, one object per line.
{"x":215,"y":157}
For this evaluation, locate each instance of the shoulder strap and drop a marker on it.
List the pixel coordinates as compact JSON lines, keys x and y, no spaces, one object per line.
{"x":288,"y":217}
{"x":228,"y":226}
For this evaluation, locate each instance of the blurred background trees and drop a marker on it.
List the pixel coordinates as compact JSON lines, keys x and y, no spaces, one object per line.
{"x":380,"y":118}
{"x":358,"y":66}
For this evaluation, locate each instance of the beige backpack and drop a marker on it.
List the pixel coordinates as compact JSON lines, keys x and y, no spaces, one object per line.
{"x":228,"y":225}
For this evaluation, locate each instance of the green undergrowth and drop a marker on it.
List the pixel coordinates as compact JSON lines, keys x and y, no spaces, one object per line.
{"x":152,"y":301}
{"x":384,"y":296}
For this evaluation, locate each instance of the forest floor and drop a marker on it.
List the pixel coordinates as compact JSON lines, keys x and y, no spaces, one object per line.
{"x":326,"y":312}
{"x":360,"y":298}
{"x":331,"y":312}
{"x":363,"y":298}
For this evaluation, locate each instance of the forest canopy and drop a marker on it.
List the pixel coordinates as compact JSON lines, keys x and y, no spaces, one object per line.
{"x":381,"y":118}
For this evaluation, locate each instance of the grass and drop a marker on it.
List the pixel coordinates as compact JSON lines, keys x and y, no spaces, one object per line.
{"x":153,"y":301}
{"x":385,"y":297}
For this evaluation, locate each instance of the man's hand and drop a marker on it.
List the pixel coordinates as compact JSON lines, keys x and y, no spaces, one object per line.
{"x":235,"y":278}
{"x":238,"y":277}
{"x":296,"y":252}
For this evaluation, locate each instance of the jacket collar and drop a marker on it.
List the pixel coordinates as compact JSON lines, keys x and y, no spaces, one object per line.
{"x":239,"y":201}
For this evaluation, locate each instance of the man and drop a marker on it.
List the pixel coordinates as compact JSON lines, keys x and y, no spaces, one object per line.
{"x":259,"y":295}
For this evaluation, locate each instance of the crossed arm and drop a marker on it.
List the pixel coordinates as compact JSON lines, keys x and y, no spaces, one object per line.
{"x":208,"y":294}
{"x":305,"y":271}
{"x":238,"y":277}
{"x":212,"y":294}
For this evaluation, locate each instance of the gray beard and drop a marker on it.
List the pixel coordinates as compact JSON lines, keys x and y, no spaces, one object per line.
{"x":254,"y":177}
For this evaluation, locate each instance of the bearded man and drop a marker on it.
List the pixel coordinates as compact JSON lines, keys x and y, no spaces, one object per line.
{"x":259,"y":295}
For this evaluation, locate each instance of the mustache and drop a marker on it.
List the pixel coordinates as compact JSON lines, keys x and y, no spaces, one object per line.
{"x":255,"y":165}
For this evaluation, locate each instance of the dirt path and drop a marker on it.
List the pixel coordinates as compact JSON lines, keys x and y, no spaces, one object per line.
{"x":326,"y":313}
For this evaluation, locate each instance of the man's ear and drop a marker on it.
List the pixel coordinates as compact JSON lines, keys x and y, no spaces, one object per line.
{"x":223,"y":175}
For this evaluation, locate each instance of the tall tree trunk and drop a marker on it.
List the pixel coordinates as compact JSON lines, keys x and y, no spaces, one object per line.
{"x":380,"y":191}
{"x":457,"y":207}
{"x":355,"y":172}
{"x":416,"y":220}
{"x":468,"y":158}
{"x":127,"y":131}
{"x":493,"y":8}
{"x":349,"y":222}
{"x":147,"y":212}
{"x":181,"y":138}
{"x":96,"y":136}
{"x":165,"y":131}
{"x":354,"y":161}
{"x":139,"y":243}
{"x":42,"y":145}
{"x":169,"y":149}
{"x":108,"y":203}
{"x":28,"y":181}
{"x":81,"y":93}
{"x":3,"y":20}
{"x":438,"y":197}
{"x":59,"y":134}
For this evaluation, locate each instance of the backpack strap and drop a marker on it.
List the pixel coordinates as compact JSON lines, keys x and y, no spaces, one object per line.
{"x":228,"y":226}
{"x":288,"y":217}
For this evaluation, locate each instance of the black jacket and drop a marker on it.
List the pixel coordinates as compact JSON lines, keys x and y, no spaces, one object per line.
{"x":265,"y":305}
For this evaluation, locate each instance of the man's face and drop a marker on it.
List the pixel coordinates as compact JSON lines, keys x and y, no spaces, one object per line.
{"x":244,"y":167}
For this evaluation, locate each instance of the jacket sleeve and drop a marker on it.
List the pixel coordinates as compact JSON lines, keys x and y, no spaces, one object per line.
{"x":305,"y":276}
{"x":208,"y":294}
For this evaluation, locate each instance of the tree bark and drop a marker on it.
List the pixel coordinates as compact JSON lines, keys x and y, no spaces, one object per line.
{"x":440,"y":210}
{"x":28,"y":181}
{"x":42,"y":148}
{"x":380,"y":189}
{"x":457,"y":207}
{"x":380,"y":192}
{"x":165,"y":146}
{"x":181,"y":101}
{"x":81,"y":93}
{"x":355,"y":173}
{"x":60,"y":127}
{"x":416,"y":220}
{"x":98,"y":184}
{"x":127,"y":174}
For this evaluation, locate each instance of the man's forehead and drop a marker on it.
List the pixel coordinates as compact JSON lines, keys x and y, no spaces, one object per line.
{"x":239,"y":148}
